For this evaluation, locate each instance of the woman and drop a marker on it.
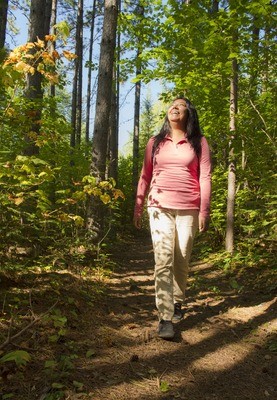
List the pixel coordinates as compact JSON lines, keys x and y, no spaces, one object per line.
{"x":176,"y":175}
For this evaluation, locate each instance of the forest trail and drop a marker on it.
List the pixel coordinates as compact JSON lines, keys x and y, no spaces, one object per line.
{"x":222,"y":349}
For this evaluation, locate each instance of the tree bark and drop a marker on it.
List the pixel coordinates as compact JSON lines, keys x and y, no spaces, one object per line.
{"x":114,"y":115}
{"x":102,"y":112}
{"x":113,"y":134}
{"x":90,"y":70}
{"x":76,"y":109}
{"x":229,"y":240}
{"x":135,"y":175}
{"x":104,"y":90}
{"x":80,"y":73}
{"x":40,"y":12}
{"x":215,"y":4}
{"x":3,"y":21}
{"x":136,"y":127}
{"x":53,"y":21}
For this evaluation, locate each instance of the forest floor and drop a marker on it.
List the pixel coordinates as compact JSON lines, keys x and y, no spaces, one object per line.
{"x":100,"y":342}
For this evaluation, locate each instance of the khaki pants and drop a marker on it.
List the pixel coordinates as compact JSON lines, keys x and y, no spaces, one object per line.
{"x":172,"y":234}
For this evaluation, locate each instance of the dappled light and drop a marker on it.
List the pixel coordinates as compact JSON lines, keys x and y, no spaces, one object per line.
{"x":95,"y":302}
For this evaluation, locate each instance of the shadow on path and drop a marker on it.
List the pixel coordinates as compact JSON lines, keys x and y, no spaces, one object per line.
{"x":223,"y":348}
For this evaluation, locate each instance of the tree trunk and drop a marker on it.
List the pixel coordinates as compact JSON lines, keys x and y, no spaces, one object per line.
{"x":104,"y":91}
{"x":40,"y":12}
{"x":135,"y":175}
{"x":215,"y":4}
{"x":114,"y":115}
{"x":3,"y":21}
{"x":80,"y":72}
{"x":53,"y":21}
{"x":229,"y":240}
{"x":76,"y":110}
{"x":136,"y":128}
{"x":265,"y":74}
{"x":90,"y":70}
{"x":113,"y":135}
{"x":102,"y":111}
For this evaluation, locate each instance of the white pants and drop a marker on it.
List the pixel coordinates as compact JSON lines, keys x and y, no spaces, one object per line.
{"x":172,"y":234}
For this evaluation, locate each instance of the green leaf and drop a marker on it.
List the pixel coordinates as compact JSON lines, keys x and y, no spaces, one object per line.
{"x":53,"y":338}
{"x":20,"y":357}
{"x":273,"y":346}
{"x":78,"y":385}
{"x":56,"y":385}
{"x":164,"y":386}
{"x":50,"y":364}
{"x":90,"y":353}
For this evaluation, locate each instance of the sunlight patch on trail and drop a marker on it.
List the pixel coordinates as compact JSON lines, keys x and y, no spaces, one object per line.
{"x":244,"y":314}
{"x":224,"y":358}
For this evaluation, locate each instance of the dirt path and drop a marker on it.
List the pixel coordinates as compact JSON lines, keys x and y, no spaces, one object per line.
{"x":223,"y":348}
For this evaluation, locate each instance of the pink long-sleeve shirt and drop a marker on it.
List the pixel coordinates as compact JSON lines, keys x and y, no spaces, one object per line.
{"x":175,"y":178}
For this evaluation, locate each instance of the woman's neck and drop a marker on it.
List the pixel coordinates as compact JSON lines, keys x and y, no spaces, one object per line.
{"x":177,"y":134}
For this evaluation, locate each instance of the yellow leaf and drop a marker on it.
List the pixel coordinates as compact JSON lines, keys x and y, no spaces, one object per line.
{"x":28,"y":56}
{"x":50,"y":38}
{"x":105,"y":198}
{"x":118,"y":193}
{"x":30,"y":45}
{"x":31,"y":70}
{"x":47,"y":58}
{"x":55,"y":55}
{"x":40,"y":43}
{"x":40,"y":67}
{"x":17,"y":201}
{"x":52,"y":78}
{"x":68,"y":55}
{"x":21,"y":66}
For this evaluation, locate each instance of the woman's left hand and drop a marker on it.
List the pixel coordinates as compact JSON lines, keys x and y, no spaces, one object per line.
{"x":203,"y":223}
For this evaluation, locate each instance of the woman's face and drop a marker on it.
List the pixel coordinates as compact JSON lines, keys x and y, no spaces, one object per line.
{"x":178,"y":112}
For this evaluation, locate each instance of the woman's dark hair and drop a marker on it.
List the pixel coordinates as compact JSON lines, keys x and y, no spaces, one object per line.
{"x":192,"y":127}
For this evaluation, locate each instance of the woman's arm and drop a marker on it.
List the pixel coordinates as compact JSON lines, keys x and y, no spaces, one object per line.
{"x":144,"y":182}
{"x":205,"y":185}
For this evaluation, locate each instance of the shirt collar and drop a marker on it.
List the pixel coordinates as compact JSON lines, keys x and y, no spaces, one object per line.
{"x":184,"y":140}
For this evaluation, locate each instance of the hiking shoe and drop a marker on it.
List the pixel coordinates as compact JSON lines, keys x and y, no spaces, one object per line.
{"x":178,"y":313}
{"x":165,"y":329}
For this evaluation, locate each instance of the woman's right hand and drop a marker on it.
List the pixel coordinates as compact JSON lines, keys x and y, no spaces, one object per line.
{"x":137,"y":222}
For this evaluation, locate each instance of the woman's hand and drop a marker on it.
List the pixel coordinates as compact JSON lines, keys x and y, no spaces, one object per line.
{"x":203,"y":223}
{"x":137,"y":222}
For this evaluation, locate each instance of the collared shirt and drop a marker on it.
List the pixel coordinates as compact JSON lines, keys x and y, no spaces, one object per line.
{"x":176,"y":178}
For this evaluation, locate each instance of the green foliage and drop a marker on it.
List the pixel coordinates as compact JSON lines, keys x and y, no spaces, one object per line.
{"x":20,"y":357}
{"x":126,"y":185}
{"x":164,"y":386}
{"x":191,"y":52}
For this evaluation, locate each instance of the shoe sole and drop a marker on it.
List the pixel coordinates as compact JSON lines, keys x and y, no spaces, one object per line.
{"x":177,"y":319}
{"x":169,"y":337}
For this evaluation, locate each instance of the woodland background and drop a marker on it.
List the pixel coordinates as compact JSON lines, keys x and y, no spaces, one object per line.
{"x":66,"y":191}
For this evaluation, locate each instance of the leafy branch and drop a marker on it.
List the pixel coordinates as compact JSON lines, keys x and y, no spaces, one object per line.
{"x":10,"y":338}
